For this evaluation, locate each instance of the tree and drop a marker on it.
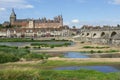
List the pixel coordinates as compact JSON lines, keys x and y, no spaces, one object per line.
{"x":74,"y":27}
{"x":118,"y":25}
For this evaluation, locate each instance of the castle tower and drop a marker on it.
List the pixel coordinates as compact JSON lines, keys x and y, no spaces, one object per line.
{"x":61,"y":20}
{"x":12,"y":17}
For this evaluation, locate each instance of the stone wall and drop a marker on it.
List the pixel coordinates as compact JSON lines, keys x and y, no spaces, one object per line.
{"x":110,"y":36}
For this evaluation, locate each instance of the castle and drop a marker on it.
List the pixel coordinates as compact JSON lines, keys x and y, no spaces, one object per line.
{"x":35,"y":27}
{"x":57,"y":22}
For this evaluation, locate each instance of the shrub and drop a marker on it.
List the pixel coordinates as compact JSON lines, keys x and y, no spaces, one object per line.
{"x":92,"y":51}
{"x":39,"y":47}
{"x":8,"y":58}
{"x":32,"y":56}
{"x":82,"y":42}
{"x":52,"y":46}
{"x":11,"y":54}
{"x":99,"y":51}
{"x":27,"y":47}
{"x":88,"y":47}
{"x":113,"y":51}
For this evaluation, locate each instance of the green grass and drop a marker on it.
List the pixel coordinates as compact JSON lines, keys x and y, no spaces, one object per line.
{"x":50,"y":45}
{"x":52,"y":64}
{"x":97,"y":47}
{"x":27,"y":40}
{"x":100,"y":51}
{"x":38,"y":71}
{"x":13,"y":50}
{"x":56,"y":75}
{"x":36,"y":56}
{"x":11,"y":54}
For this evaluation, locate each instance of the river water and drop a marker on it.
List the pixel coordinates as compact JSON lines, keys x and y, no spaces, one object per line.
{"x":105,"y":69}
{"x":75,"y":55}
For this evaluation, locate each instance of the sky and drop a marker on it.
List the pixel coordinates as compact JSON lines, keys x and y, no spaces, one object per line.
{"x":74,"y":12}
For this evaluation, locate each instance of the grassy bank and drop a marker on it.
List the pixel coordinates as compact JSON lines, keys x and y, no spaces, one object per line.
{"x":51,"y":45}
{"x":100,"y":51}
{"x":27,"y":40}
{"x":95,"y":47}
{"x":51,"y":64}
{"x":13,"y":54}
{"x":56,"y":75}
{"x":42,"y":71}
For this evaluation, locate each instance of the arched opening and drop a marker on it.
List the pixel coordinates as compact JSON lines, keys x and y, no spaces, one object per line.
{"x":113,"y":34}
{"x":102,"y":34}
{"x":94,"y":34}
{"x":82,"y":34}
{"x":88,"y":34}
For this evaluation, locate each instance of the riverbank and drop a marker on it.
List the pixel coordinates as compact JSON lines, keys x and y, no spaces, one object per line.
{"x":86,"y":59}
{"x":78,"y":47}
{"x":56,"y":75}
{"x":40,"y":70}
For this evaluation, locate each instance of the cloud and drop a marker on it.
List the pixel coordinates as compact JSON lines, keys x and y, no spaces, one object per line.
{"x":81,"y":1}
{"x":75,"y":21}
{"x":114,"y":2}
{"x":29,"y":6}
{"x":67,"y":23}
{"x":2,"y":9}
{"x":15,"y":4}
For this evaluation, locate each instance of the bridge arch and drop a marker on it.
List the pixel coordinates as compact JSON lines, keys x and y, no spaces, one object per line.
{"x":88,"y":34}
{"x":94,"y":34}
{"x":113,"y":34}
{"x":102,"y":34}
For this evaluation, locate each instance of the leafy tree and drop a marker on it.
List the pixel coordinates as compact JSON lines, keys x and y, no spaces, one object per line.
{"x":74,"y":27}
{"x":118,"y":25}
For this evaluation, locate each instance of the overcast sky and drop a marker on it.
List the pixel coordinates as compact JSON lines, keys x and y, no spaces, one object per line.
{"x":75,"y":12}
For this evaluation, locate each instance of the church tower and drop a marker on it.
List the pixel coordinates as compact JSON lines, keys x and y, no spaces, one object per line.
{"x":12,"y":17}
{"x":61,"y":20}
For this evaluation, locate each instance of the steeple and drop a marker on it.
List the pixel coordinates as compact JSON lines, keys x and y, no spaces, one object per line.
{"x":13,"y":13}
{"x":12,"y":17}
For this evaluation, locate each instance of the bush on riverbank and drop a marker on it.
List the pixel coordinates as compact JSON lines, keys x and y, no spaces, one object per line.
{"x":27,"y":40}
{"x":11,"y":54}
{"x":97,"y":47}
{"x":8,"y":58}
{"x":35,"y":56}
{"x":50,"y":45}
{"x":100,"y":51}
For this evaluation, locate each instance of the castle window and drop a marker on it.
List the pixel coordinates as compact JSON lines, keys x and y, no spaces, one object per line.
{"x":31,"y":30}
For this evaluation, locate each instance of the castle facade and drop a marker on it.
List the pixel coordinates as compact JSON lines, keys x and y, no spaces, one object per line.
{"x":57,"y":22}
{"x":35,"y":27}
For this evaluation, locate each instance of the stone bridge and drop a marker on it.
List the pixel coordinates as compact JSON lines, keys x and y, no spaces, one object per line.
{"x":110,"y":36}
